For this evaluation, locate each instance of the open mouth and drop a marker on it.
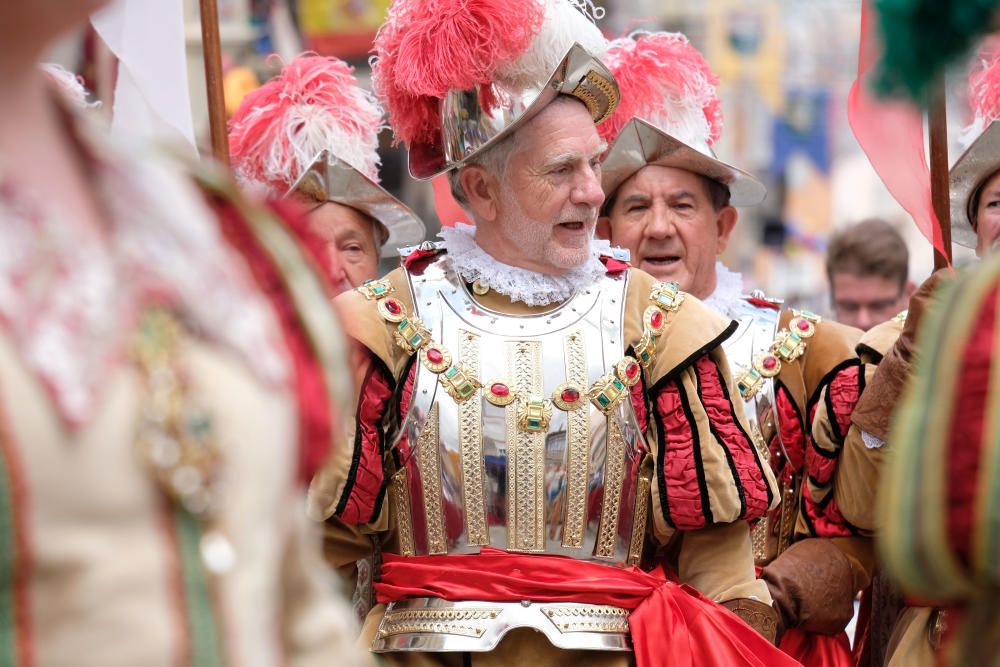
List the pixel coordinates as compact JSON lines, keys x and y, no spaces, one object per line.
{"x":661,"y":261}
{"x":571,"y":226}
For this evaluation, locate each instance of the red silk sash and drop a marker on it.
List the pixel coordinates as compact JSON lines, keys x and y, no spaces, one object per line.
{"x":815,"y":650}
{"x":671,"y":623}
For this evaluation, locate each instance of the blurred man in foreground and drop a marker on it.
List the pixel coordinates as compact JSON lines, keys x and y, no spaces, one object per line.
{"x":150,"y":512}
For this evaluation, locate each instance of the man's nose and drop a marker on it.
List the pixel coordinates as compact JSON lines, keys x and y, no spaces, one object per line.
{"x":587,"y":191}
{"x":660,"y":224}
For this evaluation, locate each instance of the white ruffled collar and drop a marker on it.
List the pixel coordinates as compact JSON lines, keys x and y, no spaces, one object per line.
{"x":473,"y":263}
{"x":728,"y":291}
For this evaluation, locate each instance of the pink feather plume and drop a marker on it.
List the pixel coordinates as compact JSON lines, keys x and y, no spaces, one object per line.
{"x":314,"y":104}
{"x":984,"y":89}
{"x":665,"y":80}
{"x":428,"y":47}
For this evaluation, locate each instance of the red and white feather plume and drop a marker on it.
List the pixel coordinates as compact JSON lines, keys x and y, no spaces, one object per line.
{"x":984,"y":97}
{"x":426,"y":48}
{"x":664,"y":80}
{"x":314,"y":104}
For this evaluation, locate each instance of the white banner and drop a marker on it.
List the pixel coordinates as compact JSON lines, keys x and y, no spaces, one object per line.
{"x":152,"y":102}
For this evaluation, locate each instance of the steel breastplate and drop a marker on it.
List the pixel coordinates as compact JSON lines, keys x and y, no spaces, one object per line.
{"x":753,"y":341}
{"x":472,"y":475}
{"x":753,"y":337}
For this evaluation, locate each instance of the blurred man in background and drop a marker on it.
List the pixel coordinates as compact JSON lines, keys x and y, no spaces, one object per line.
{"x":867,"y":266}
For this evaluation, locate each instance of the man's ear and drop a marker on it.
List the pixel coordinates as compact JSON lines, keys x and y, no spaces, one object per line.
{"x":481,"y":190}
{"x":603,"y":229}
{"x":725,"y":222}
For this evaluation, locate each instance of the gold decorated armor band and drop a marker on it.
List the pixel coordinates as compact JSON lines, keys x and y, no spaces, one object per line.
{"x":432,"y":624}
{"x":525,"y":451}
{"x":577,"y":442}
{"x":788,"y":346}
{"x":470,"y":433}
{"x":429,"y":465}
{"x":462,"y":382}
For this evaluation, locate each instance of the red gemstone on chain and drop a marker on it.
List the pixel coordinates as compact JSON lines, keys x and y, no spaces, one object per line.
{"x":803,"y":325}
{"x":499,"y":389}
{"x":769,"y":363}
{"x":656,"y":319}
{"x":434,"y":356}
{"x":393,"y":306}
{"x":632,"y":370}
{"x":570,"y":395}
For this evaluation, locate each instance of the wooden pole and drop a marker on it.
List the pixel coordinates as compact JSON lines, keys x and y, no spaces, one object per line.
{"x":212,"y":46}
{"x":937,"y":123}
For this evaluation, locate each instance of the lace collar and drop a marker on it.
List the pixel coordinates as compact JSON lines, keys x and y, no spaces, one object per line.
{"x":70,"y":297}
{"x":728,"y":291}
{"x":535,"y":289}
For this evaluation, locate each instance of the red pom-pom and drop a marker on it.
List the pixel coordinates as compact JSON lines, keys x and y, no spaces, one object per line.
{"x":665,"y":80}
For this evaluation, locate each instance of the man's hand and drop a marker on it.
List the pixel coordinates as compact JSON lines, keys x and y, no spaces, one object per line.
{"x":812,"y":584}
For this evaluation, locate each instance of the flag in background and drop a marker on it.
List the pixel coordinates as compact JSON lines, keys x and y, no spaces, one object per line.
{"x":891,"y":133}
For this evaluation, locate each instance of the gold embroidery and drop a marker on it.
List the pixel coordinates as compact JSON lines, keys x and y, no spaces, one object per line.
{"x":429,"y":465}
{"x":589,"y":618}
{"x":401,"y":505}
{"x":642,"y":492}
{"x":577,"y":446}
{"x":525,"y":455}
{"x":465,"y":622}
{"x":614,"y":476}
{"x":470,"y":434}
{"x":599,"y":94}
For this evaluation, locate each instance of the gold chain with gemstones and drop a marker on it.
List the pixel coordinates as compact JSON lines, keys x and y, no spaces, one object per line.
{"x":788,"y":345}
{"x":462,"y":384}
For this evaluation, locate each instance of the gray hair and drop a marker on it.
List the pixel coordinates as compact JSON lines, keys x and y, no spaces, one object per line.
{"x":494,"y":160}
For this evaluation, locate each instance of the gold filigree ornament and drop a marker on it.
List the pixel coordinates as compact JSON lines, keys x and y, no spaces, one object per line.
{"x":435,"y":359}
{"x":667,"y":296}
{"x":767,"y":364}
{"x":411,"y":334}
{"x":569,"y":396}
{"x":176,"y":437}
{"x":654,"y":320}
{"x":606,"y":392}
{"x":480,"y":287}
{"x":460,"y":383}
{"x":749,"y":381}
{"x":788,"y":345}
{"x":804,"y":323}
{"x":375,"y":289}
{"x":534,"y":414}
{"x":499,"y":393}
{"x":391,"y":310}
{"x":645,"y":349}
{"x":628,"y":371}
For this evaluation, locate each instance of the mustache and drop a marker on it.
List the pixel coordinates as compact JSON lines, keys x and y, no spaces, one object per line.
{"x":585,"y":214}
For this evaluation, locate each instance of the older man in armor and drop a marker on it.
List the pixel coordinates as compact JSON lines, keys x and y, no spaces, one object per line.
{"x":534,"y":415}
{"x":670,"y":201}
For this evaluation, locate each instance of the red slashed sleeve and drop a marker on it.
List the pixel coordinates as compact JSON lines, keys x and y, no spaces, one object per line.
{"x":708,"y":469}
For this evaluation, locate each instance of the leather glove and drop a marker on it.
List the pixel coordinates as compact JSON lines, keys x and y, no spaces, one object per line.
{"x":873,"y":413}
{"x":812,"y":584}
{"x":761,"y":617}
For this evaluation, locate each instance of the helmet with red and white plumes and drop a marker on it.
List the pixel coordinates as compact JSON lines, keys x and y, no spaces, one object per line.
{"x":457,"y":75}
